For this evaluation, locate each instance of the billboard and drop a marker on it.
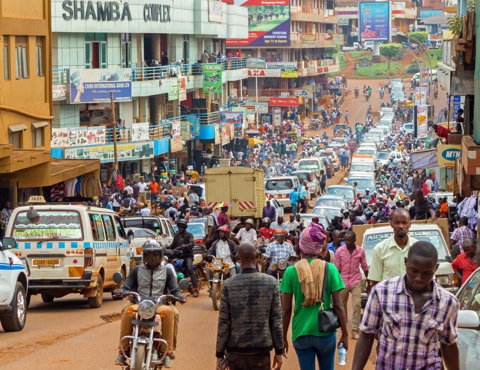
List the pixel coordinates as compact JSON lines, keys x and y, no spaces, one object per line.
{"x":422,"y":119}
{"x":283,"y":102}
{"x":212,"y":78}
{"x":95,"y":85}
{"x":268,"y":23}
{"x":78,"y":136}
{"x":125,"y":152}
{"x":374,"y":21}
{"x":448,"y":154}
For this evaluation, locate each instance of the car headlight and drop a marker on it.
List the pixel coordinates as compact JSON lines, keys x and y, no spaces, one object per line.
{"x":443,"y":280}
{"x":282,"y":264}
{"x":217,"y":264}
{"x":146,"y":310}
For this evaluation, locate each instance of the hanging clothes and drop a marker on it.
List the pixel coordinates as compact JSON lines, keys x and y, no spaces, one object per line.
{"x":78,"y":186}
{"x":91,"y":187}
{"x":57,"y":192}
{"x":119,"y":184}
{"x":70,"y":186}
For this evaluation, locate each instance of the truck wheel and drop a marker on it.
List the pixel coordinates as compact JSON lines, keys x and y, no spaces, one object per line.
{"x":47,"y":298}
{"x":96,"y":302}
{"x":15,"y":321}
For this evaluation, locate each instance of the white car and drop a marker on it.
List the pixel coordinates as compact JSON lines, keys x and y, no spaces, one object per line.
{"x":397,"y":158}
{"x":13,"y":288}
{"x":407,"y":128}
{"x":385,"y":110}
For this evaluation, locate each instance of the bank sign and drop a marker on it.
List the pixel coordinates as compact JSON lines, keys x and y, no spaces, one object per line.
{"x":448,"y":154}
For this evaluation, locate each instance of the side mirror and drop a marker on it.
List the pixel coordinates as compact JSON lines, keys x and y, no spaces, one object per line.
{"x":118,"y":277}
{"x":468,"y":319}
{"x":183,"y":284}
{"x":9,"y":243}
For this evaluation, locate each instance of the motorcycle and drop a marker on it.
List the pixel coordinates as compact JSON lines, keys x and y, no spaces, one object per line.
{"x":367,"y":96}
{"x":146,"y":337}
{"x":381,"y":95}
{"x":435,"y":94}
{"x":356,"y":93}
{"x":280,"y":268}
{"x":220,"y":271}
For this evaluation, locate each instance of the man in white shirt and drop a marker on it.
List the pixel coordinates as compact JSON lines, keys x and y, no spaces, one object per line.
{"x":429,"y":183}
{"x":292,"y":224}
{"x":145,"y":211}
{"x":129,"y":189}
{"x":247,"y":234}
{"x":143,"y":186}
{"x":239,"y":155}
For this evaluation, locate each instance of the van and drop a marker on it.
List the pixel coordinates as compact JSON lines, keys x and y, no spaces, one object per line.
{"x":362,"y":163}
{"x":280,"y":188}
{"x":312,"y":181}
{"x":199,"y":191}
{"x":70,"y":249}
{"x":312,"y":163}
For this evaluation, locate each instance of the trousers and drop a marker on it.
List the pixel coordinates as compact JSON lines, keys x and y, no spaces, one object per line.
{"x":356,"y":292}
{"x":245,"y":361}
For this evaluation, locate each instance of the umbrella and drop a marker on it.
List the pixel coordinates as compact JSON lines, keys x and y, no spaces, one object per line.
{"x":223,"y":204}
{"x":254,"y":141}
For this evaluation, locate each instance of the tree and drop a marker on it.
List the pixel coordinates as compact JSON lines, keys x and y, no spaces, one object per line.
{"x":419,"y":37}
{"x":390,"y":51}
{"x":331,"y":50}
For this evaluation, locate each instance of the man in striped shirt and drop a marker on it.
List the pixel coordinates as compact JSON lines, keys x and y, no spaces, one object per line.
{"x":412,"y":315}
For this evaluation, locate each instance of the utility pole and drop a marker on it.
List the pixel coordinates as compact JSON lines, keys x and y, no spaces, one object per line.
{"x":114,"y":119}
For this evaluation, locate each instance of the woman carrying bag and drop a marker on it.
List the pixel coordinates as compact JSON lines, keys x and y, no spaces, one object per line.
{"x":313,"y":284}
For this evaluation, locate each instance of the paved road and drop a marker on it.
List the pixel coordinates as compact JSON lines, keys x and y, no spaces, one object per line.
{"x":67,"y":334}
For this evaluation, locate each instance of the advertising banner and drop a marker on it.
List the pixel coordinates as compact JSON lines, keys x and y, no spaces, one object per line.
{"x":283,"y":102}
{"x":230,"y":118}
{"x":126,"y":152}
{"x":215,"y":11}
{"x":95,"y":85}
{"x":277,"y":116}
{"x":422,"y":119}
{"x":288,"y":73}
{"x":374,"y":21}
{"x":141,"y":131}
{"x":268,"y":23}
{"x":218,"y":138}
{"x":225,"y":128}
{"x":256,"y":63}
{"x":448,"y":154}
{"x":76,"y":136}
{"x":186,"y":135}
{"x":173,"y":93}
{"x":263,"y":72}
{"x":182,"y":89}
{"x":212,"y":78}
{"x":281,"y":65}
{"x":59,"y":92}
{"x":176,"y":128}
{"x":194,"y":124}
{"x":176,"y":144}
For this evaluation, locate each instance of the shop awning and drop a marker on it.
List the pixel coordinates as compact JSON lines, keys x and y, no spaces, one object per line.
{"x":17,"y":127}
{"x":66,"y":169}
{"x":40,"y":124}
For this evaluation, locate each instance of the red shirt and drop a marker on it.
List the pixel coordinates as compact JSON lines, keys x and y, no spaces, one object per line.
{"x":266,"y":233}
{"x":462,"y":262}
{"x":372,"y":221}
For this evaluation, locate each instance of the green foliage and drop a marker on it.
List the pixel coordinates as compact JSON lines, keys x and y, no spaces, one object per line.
{"x":412,"y":68}
{"x":419,"y":37}
{"x":392,"y":50}
{"x":331,"y":50}
{"x":456,"y":22}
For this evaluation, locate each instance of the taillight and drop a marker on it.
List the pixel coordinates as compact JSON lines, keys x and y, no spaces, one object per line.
{"x":88,"y":257}
{"x":287,"y":196}
{"x":199,"y":241}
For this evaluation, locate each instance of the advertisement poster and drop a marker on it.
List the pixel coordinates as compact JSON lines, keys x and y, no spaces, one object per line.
{"x":288,"y":73}
{"x":448,"y":154}
{"x":126,"y":152}
{"x":141,"y":131}
{"x":185,"y":130}
{"x":277,"y":116}
{"x":76,"y":136}
{"x":212,"y":78}
{"x":225,"y":128}
{"x":194,"y":124}
{"x":422,"y":119}
{"x":374,"y":21}
{"x":176,"y":144}
{"x":95,"y":85}
{"x":59,"y":92}
{"x":218,"y":138}
{"x":258,"y":63}
{"x":268,"y":23}
{"x":173,"y":93}
{"x":176,"y":128}
{"x":215,"y":11}
{"x":182,"y":90}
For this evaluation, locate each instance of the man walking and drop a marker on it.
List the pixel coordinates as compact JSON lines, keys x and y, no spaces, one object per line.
{"x":466,"y":262}
{"x":348,"y":259}
{"x":294,"y":200}
{"x":323,"y":181}
{"x":269,"y":211}
{"x":246,"y":339}
{"x":413,"y":316}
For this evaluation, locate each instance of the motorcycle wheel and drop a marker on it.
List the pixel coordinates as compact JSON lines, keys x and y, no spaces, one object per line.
{"x":140,"y":356}
{"x":216,"y":292}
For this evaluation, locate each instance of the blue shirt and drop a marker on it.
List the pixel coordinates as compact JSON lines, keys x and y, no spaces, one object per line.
{"x":330,"y":246}
{"x":293,"y":197}
{"x":303,"y":194}
{"x":109,"y":206}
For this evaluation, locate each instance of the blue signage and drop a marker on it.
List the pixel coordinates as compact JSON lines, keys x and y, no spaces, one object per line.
{"x":451,"y":154}
{"x":374,"y":21}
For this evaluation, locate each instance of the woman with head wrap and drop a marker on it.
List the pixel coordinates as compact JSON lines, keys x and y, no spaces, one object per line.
{"x":303,"y":283}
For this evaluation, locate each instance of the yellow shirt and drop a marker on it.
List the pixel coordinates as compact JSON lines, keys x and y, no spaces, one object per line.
{"x":388,"y":259}
{"x":194,"y":176}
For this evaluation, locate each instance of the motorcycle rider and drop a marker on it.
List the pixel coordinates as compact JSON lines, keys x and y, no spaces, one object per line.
{"x":150,"y":280}
{"x":278,"y":249}
{"x":183,"y":244}
{"x":223,"y":247}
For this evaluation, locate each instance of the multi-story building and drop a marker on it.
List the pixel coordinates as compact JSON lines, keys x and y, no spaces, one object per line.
{"x":150,"y":56}
{"x":286,"y":49}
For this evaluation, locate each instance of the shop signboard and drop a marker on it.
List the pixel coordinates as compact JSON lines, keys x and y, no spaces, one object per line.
{"x":233,"y":119}
{"x":258,"y":63}
{"x":261,"y":108}
{"x":212,"y":78}
{"x":448,"y":154}
{"x":59,"y":92}
{"x":76,"y":136}
{"x":268,"y":23}
{"x":308,"y":39}
{"x":95,"y":85}
{"x":422,"y":119}
{"x":458,"y":103}
{"x":194,"y":124}
{"x":173,"y":93}
{"x":141,"y":131}
{"x":218,"y":137}
{"x":126,"y":152}
{"x":182,"y":89}
{"x":263,"y":72}
{"x":288,"y":73}
{"x":180,"y":154}
{"x":185,"y":130}
{"x":283,"y":102}
{"x":176,"y":128}
{"x":225,"y":128}
{"x":215,"y":11}
{"x":374,"y":21}
{"x":176,"y":144}
{"x":281,"y":65}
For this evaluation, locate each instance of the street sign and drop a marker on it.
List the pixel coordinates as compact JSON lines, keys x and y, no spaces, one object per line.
{"x":301,"y":93}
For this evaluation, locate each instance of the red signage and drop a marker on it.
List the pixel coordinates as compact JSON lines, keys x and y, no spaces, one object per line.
{"x":322,"y":70}
{"x":283,"y":102}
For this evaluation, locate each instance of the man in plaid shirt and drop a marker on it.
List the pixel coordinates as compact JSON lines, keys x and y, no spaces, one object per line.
{"x":411,"y":314}
{"x":278,"y":249}
{"x":461,"y":233}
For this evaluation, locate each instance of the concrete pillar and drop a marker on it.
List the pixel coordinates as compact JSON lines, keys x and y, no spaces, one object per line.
{"x":156,"y":52}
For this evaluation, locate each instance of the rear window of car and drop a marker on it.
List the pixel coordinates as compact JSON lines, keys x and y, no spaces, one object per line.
{"x":285,"y":184}
{"x":330,"y":203}
{"x":341,"y":192}
{"x":366,"y":151}
{"x":308,"y":165}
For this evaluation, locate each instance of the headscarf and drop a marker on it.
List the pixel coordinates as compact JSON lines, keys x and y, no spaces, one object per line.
{"x":312,"y":239}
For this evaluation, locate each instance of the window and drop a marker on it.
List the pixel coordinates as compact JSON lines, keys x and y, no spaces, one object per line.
{"x":97,"y":227}
{"x":95,"y":50}
{"x":39,"y":56}
{"x":16,"y":135}
{"x":6,"y":60}
{"x":126,"y":50}
{"x":107,"y":220}
{"x":21,"y":57}
{"x":38,"y":133}
{"x":121,"y":231}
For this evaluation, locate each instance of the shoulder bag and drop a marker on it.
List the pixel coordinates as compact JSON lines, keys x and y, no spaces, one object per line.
{"x":328,"y":319}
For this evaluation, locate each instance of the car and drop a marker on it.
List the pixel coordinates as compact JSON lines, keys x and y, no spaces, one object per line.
{"x":396,"y":80}
{"x":136,"y":239}
{"x":335,"y":158}
{"x":199,"y":233}
{"x":407,"y":128}
{"x":367,"y":151}
{"x":340,"y":140}
{"x":397,"y":158}
{"x":367,"y":138}
{"x":385,"y":110}
{"x":307,"y":219}
{"x":438,"y":195}
{"x":382,"y":158}
{"x":331,"y":201}
{"x":330,"y":212}
{"x":385,"y":122}
{"x":397,"y":97}
{"x":379,"y":133}
{"x":389,"y":115}
{"x":13,"y":287}
{"x":312,"y":181}
{"x":363,"y":183}
{"x":280,"y":188}
{"x":199,"y":190}
{"x":386,"y":127}
{"x":158,"y":224}
{"x":328,"y":153}
{"x":396,"y":87}
{"x":338,"y":127}
{"x":344,"y":191}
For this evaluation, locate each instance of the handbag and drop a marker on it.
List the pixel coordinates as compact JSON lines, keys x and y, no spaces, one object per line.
{"x":328,"y":319}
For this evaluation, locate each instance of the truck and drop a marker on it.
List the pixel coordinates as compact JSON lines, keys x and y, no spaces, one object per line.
{"x":242,"y":187}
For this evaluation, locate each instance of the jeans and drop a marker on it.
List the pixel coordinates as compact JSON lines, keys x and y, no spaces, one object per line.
{"x":294,"y":208}
{"x":191,"y":271}
{"x":356,"y":291}
{"x":246,"y":361}
{"x":153,"y":197}
{"x":322,"y":187}
{"x":309,"y":346}
{"x":303,"y":205}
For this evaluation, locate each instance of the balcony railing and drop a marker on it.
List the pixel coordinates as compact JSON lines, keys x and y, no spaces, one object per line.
{"x":59,"y":76}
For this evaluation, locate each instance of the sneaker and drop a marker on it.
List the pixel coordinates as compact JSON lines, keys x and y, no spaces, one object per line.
{"x":172,"y":355}
{"x":167,"y":362}
{"x":196,"y":292}
{"x":355,"y":335}
{"x":121,"y":360}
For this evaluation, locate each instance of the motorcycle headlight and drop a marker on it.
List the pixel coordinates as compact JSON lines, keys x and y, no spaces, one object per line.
{"x":146,"y":309}
{"x":282,"y":264}
{"x":217,"y":264}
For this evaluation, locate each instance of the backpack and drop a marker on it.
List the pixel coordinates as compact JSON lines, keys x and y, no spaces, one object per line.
{"x":126,"y":203}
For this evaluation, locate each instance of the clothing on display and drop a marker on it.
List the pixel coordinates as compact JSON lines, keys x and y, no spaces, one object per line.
{"x":70,"y":186}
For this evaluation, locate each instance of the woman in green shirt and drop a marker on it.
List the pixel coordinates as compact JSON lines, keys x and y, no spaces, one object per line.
{"x":303,"y":282}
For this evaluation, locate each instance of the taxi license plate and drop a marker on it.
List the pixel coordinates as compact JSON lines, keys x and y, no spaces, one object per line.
{"x":55,"y":262}
{"x":279,"y":196}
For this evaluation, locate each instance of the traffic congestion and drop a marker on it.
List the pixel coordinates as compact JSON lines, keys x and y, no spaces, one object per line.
{"x":322,"y":219}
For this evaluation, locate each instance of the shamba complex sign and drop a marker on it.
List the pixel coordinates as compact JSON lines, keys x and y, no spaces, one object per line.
{"x":112,"y":11}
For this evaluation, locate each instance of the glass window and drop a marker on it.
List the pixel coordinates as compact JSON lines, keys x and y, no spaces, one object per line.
{"x":467,"y":294}
{"x":55,"y":225}
{"x":97,"y":227}
{"x":15,"y":139}
{"x":6,"y":60}
{"x":126,"y":50}
{"x":107,"y":221}
{"x":21,"y":57}
{"x":37,"y":137}
{"x":120,"y":230}
{"x":286,"y":184}
{"x":39,"y":56}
